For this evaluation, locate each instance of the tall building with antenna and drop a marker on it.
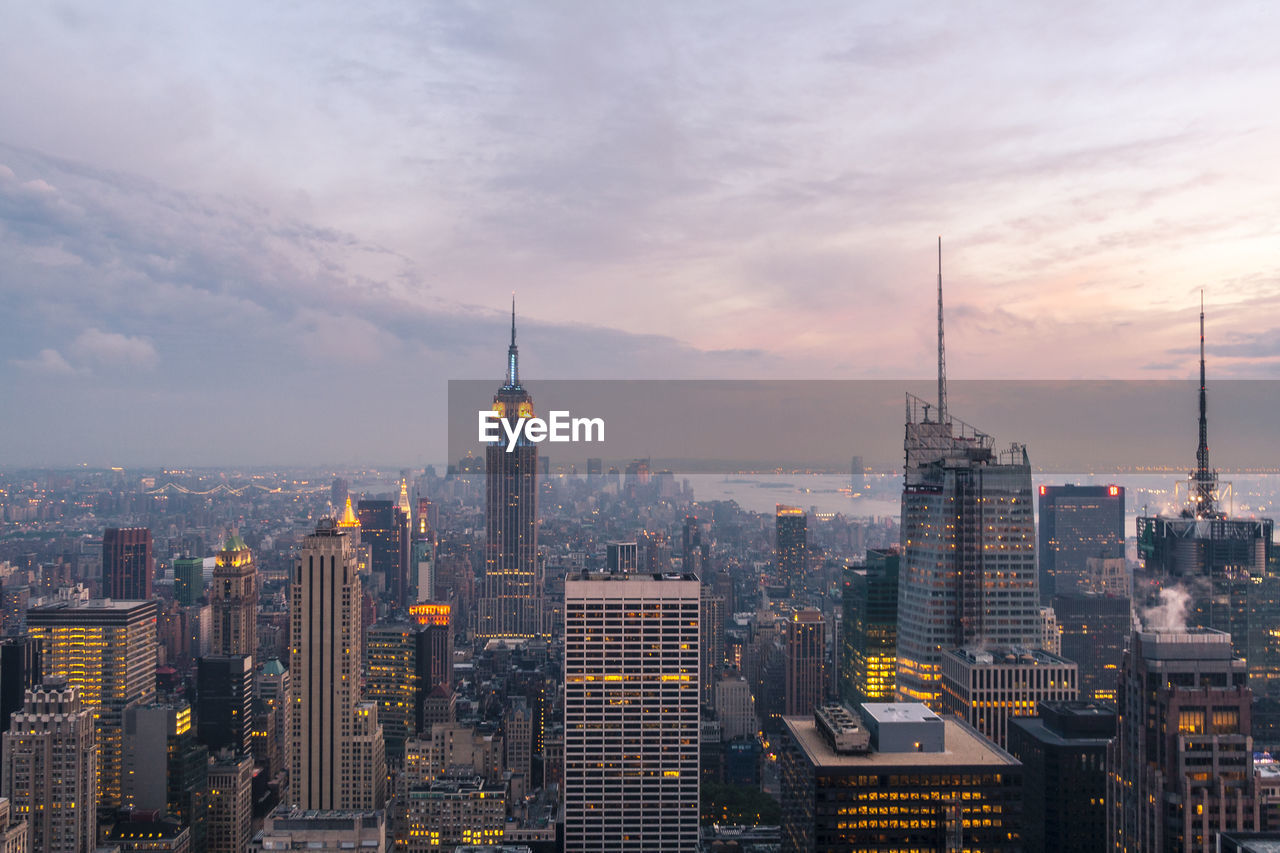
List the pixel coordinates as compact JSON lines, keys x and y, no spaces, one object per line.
{"x":968,"y":568}
{"x":511,"y":590}
{"x":1221,"y":562}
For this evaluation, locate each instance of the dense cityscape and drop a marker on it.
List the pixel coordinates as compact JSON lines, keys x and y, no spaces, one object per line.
{"x":504,"y":657}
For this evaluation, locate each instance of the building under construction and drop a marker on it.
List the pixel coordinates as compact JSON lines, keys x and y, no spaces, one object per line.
{"x":1222,"y":563}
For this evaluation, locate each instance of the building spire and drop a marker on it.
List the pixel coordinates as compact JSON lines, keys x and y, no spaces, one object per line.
{"x":1206,"y":479}
{"x":942,"y":358}
{"x":513,"y":356}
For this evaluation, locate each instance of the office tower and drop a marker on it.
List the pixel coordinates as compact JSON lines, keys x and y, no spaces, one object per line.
{"x":385,"y":529}
{"x":296,"y":828}
{"x":1050,"y":631}
{"x":631,"y":741}
{"x":711,"y":628}
{"x":19,"y":672}
{"x":127,"y":564}
{"x":511,"y":592}
{"x":987,"y":686}
{"x":165,"y":769}
{"x":454,"y":810}
{"x":735,"y":707}
{"x":50,"y":768}
{"x":1180,"y":768}
{"x":792,"y":551}
{"x":324,"y":665}
{"x":895,"y":777}
{"x":230,"y":823}
{"x":1063,"y":751}
{"x":1094,"y":630}
{"x":695,"y":553}
{"x":14,"y":830}
{"x":224,"y":703}
{"x":968,"y":542}
{"x":806,"y":648}
{"x":870,"y":645}
{"x":188,"y":580}
{"x":107,"y":651}
{"x":1077,"y":523}
{"x":452,"y":746}
{"x":1217,"y":559}
{"x":404,"y":660}
{"x":234,"y":599}
{"x":621,"y":557}
{"x":422,"y":559}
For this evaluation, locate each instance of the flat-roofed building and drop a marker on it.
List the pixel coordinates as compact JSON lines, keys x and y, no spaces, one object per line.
{"x":987,"y":687}
{"x":921,"y":783}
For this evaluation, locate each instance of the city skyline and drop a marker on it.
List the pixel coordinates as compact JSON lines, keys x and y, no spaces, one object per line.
{"x":658,"y":203}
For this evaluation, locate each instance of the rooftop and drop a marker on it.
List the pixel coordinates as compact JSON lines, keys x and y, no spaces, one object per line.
{"x":965,"y":747}
{"x":1007,"y":656}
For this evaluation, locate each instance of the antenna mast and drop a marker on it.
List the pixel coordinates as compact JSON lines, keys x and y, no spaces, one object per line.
{"x":942,"y":358}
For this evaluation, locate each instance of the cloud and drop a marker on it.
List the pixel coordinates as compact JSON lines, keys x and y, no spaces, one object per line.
{"x":112,"y":349}
{"x":49,"y":361}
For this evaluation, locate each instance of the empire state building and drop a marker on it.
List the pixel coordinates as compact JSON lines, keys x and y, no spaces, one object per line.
{"x":511,"y":591}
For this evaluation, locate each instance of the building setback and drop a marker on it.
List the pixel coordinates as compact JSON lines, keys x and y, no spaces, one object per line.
{"x":988,"y":687}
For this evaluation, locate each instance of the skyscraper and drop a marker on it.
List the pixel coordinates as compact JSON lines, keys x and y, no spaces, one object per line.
{"x":230,"y":824}
{"x":1222,"y":562}
{"x":422,"y":559}
{"x":19,"y":672}
{"x":165,"y":768}
{"x":404,"y":660}
{"x":968,"y":542}
{"x":385,"y":529}
{"x":1077,"y":523}
{"x":233,"y":597}
{"x":224,"y":703}
{"x":127,"y":564}
{"x":1180,"y":769}
{"x":631,"y":742}
{"x":870,"y":644}
{"x":792,"y":549}
{"x":324,"y":664}
{"x":50,"y":769}
{"x":806,"y":648}
{"x":188,"y":580}
{"x":511,"y":591}
{"x":107,"y":651}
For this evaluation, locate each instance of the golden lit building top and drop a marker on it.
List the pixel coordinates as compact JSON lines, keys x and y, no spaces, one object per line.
{"x":234,"y":552}
{"x":348,"y":516}
{"x":430,"y":614}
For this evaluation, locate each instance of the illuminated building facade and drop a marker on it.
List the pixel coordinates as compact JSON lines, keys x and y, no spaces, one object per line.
{"x":1077,"y":523}
{"x":233,"y":597}
{"x":791,"y":530}
{"x":422,"y":558}
{"x":50,"y":769}
{"x":165,"y":768}
{"x":107,"y":651}
{"x":806,"y":649}
{"x":1180,"y":769}
{"x":1063,"y":750}
{"x":324,"y":665}
{"x":870,"y":644}
{"x":907,"y":780}
{"x":511,"y":593}
{"x":404,"y":660}
{"x":968,"y":550}
{"x":631,"y":713}
{"x":453,"y":810}
{"x":127,"y":564}
{"x":987,"y":687}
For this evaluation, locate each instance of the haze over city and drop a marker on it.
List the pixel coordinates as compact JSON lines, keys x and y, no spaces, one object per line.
{"x":209,"y":218}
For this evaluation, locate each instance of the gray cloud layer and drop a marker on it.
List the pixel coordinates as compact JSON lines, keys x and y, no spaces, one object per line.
{"x":213,"y":220}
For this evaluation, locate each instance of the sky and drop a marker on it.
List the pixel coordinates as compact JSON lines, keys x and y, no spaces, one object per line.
{"x":243,"y":233}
